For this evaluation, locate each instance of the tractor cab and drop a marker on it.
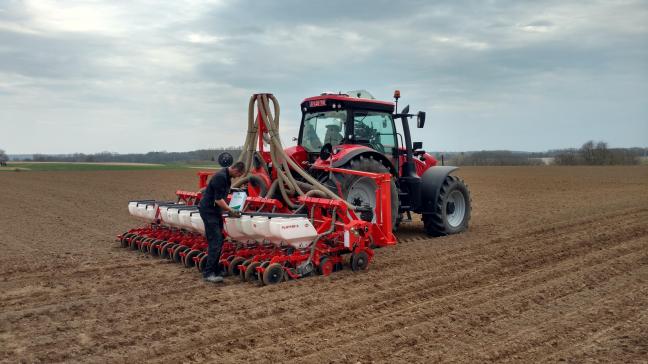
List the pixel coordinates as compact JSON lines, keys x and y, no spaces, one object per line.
{"x":352,"y":122}
{"x":342,"y":120}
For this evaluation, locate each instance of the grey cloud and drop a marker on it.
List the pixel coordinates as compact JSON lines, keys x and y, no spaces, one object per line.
{"x":478,"y":66}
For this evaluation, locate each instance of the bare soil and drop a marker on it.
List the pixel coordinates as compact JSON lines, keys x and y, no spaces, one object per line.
{"x":554,"y":268}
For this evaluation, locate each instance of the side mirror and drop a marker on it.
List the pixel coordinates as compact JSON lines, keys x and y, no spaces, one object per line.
{"x":420,"y":119}
{"x":417,"y":145}
{"x":225,"y":159}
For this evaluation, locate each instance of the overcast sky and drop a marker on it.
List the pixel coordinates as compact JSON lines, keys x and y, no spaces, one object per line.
{"x":136,"y":76}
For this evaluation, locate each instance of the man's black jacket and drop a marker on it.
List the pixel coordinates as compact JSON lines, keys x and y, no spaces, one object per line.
{"x":217,"y":189}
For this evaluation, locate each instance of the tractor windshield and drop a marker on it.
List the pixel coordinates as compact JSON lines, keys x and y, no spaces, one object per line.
{"x":375,"y":129}
{"x":321,"y":128}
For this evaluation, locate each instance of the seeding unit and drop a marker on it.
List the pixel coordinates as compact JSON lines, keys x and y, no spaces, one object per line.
{"x":269,"y":242}
{"x":314,"y":207}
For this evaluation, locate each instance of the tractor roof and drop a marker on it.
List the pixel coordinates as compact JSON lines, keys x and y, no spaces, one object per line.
{"x":326,"y":100}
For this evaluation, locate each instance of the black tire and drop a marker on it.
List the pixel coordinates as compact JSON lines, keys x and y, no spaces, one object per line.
{"x":154,"y":248}
{"x":164,"y":252}
{"x":447,"y":218}
{"x":144,"y":245}
{"x":359,"y":261}
{"x":176,"y":253}
{"x":233,"y":269}
{"x":259,"y":276}
{"x":251,"y":272}
{"x":273,"y":274}
{"x":188,"y":260}
{"x":242,"y":273}
{"x":133,"y":242}
{"x":124,"y":239}
{"x":367,"y":164}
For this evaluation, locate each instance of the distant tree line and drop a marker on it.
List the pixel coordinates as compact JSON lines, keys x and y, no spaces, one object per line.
{"x":590,"y":153}
{"x":202,"y":155}
{"x":598,"y":154}
{"x":492,"y":158}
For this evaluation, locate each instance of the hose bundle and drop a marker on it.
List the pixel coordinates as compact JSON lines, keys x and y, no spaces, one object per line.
{"x":269,"y":111}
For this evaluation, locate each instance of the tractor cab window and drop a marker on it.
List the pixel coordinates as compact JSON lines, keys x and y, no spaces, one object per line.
{"x":375,"y":129}
{"x":321,"y":128}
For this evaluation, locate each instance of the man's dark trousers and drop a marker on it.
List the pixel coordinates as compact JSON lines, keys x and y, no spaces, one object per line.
{"x":214,"y":231}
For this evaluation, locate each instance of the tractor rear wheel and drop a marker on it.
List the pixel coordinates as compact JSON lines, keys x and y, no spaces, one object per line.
{"x":451,"y":210}
{"x":360,"y":191}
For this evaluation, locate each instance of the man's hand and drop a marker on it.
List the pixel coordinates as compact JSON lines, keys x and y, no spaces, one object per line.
{"x":234,"y":213}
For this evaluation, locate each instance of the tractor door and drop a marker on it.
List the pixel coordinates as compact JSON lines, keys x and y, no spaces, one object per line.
{"x":322,"y":127}
{"x":376,"y":130}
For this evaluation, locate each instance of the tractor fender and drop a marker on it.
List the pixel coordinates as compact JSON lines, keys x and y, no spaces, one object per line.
{"x":357,"y":152}
{"x":431,"y":182}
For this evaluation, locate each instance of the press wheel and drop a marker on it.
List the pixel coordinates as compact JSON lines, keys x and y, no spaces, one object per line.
{"x":359,"y":261}
{"x":273,"y":274}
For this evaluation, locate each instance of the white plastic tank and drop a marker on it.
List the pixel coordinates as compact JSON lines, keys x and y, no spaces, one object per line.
{"x":144,"y":209}
{"x":132,"y":208}
{"x":169,"y":216}
{"x":141,"y":210}
{"x":185,"y":218}
{"x":246,"y":228}
{"x":232,"y":228}
{"x":297,"y":232}
{"x":261,"y":227}
{"x":273,"y":228}
{"x":173,"y":216}
{"x":197,"y":223}
{"x":150,"y":212}
{"x":163,"y":214}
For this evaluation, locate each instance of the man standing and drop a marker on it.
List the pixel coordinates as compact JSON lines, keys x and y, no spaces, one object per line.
{"x":212,"y":205}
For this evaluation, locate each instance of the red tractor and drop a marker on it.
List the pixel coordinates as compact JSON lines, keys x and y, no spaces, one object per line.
{"x":355,"y":131}
{"x":315,"y":207}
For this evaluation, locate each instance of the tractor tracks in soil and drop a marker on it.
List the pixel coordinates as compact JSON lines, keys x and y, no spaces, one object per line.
{"x":553,"y":268}
{"x":413,"y":288}
{"x":372,"y":313}
{"x":374,"y":319}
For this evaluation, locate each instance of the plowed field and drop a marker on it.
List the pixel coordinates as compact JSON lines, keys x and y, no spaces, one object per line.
{"x":554,"y":268}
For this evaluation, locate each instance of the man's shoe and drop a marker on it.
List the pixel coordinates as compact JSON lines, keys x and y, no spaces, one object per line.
{"x":214,"y":279}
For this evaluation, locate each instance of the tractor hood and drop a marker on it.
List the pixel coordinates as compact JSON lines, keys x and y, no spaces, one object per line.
{"x":343,"y":154}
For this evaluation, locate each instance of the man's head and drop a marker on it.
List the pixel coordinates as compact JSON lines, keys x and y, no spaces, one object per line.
{"x":237,"y":169}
